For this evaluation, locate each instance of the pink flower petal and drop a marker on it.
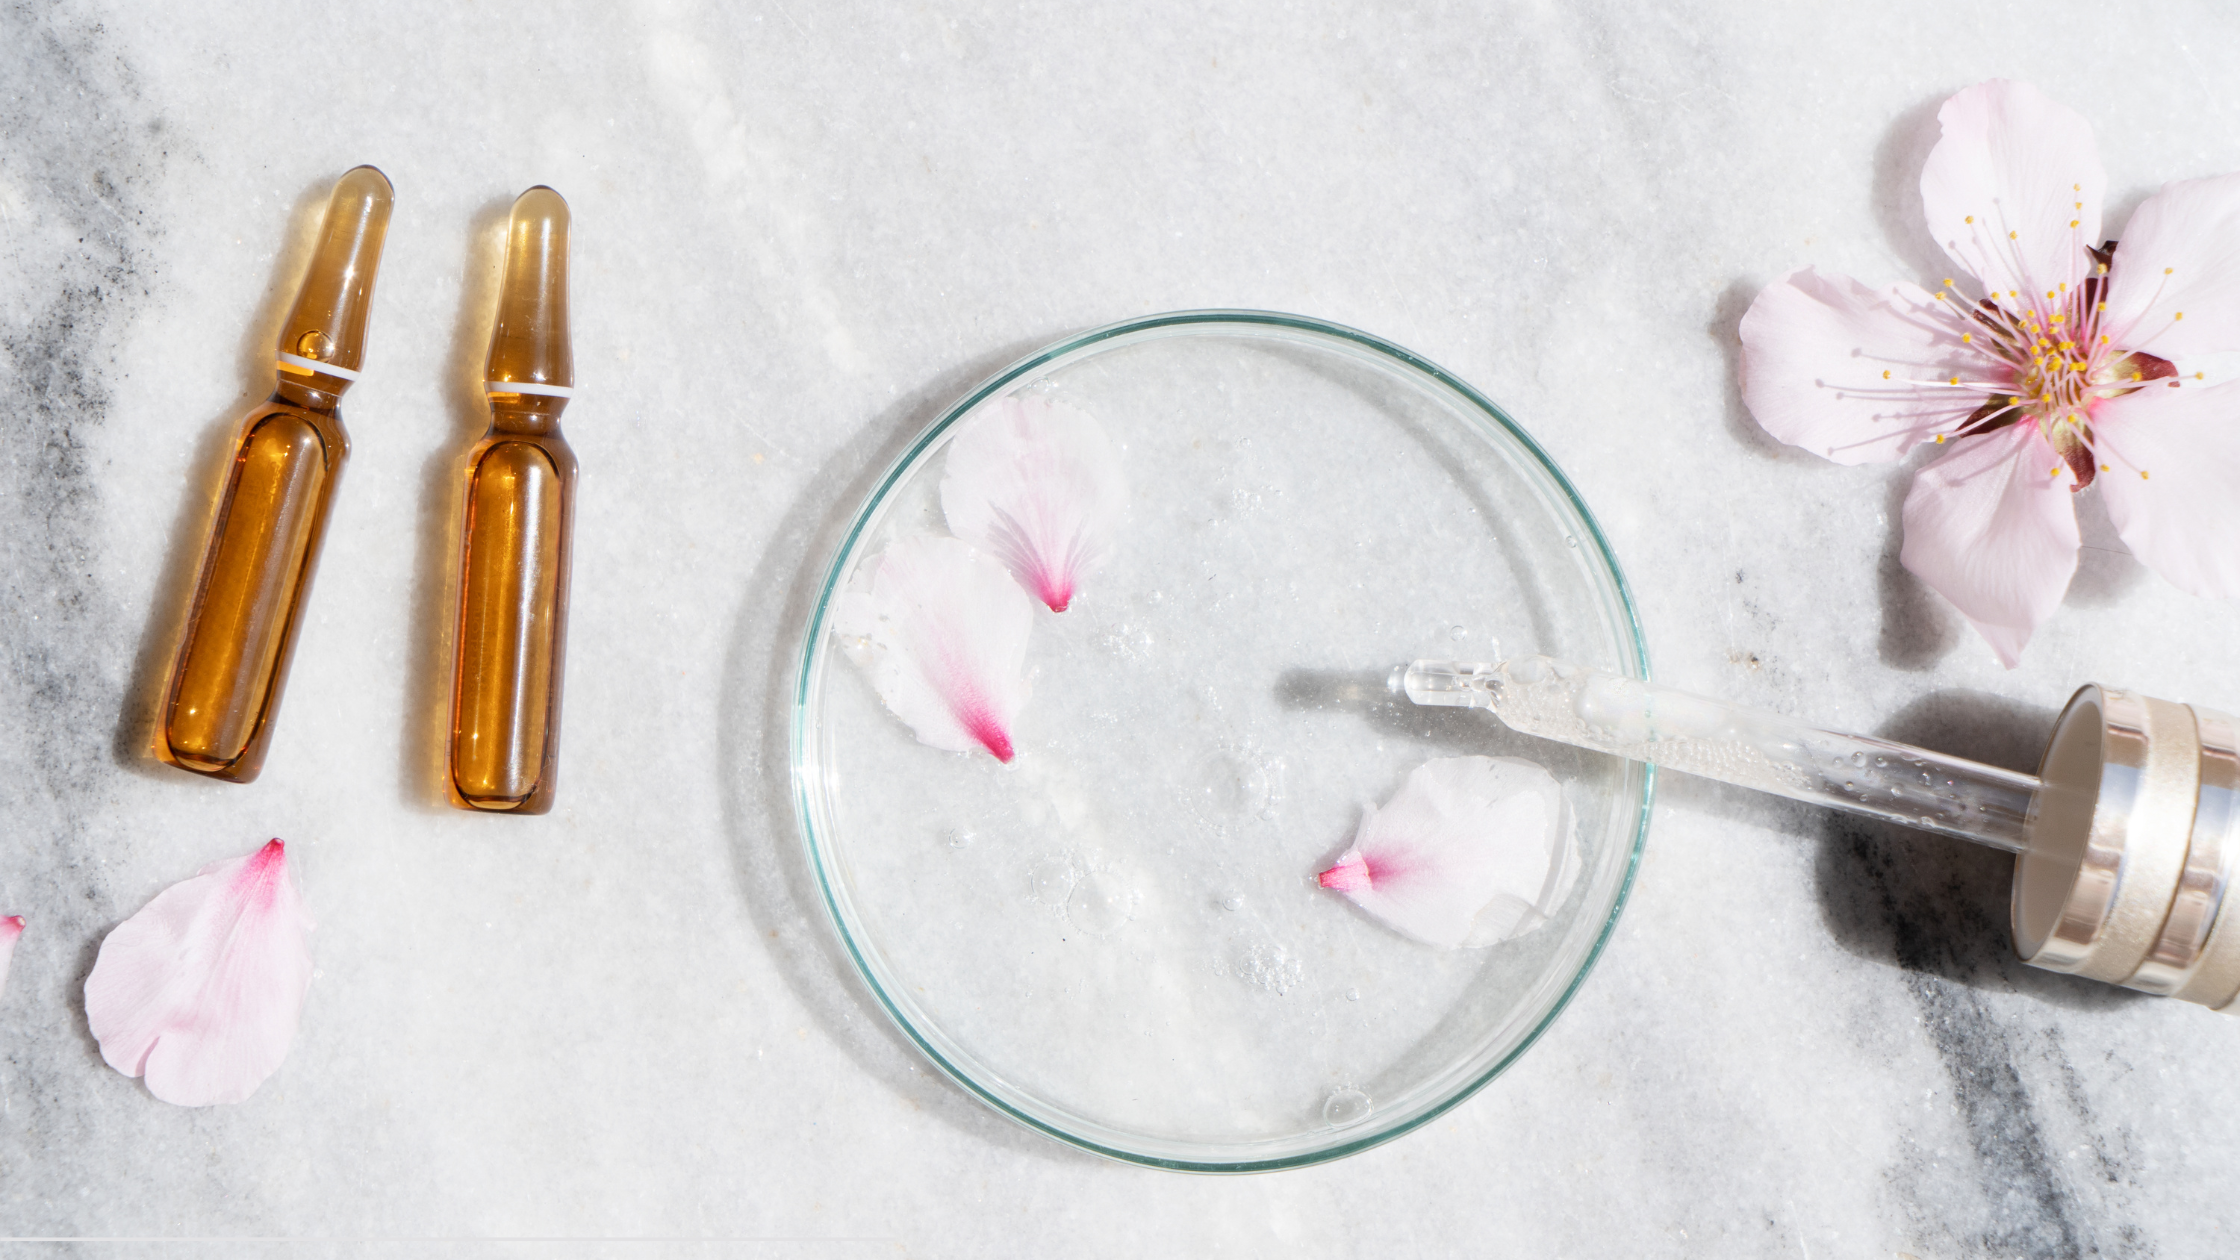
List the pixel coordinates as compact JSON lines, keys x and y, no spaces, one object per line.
{"x":1037,"y":484}
{"x":200,"y":991}
{"x":2180,"y":255}
{"x":2182,"y":516}
{"x":1465,"y":853}
{"x":942,"y":630}
{"x":2011,"y":174}
{"x":1991,"y":528}
{"x":10,"y":928}
{"x":1855,"y":374}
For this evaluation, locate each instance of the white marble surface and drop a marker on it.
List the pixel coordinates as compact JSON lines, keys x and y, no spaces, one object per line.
{"x":800,"y":229}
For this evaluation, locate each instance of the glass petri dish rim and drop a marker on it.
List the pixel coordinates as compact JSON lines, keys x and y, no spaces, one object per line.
{"x":809,"y":667}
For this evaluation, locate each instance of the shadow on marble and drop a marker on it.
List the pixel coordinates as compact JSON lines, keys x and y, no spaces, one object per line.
{"x":1918,"y":627}
{"x":1898,"y":211}
{"x":435,"y":570}
{"x":755,"y":720}
{"x":1935,"y":906}
{"x":81,"y":968}
{"x":2106,"y":569}
{"x":1725,"y":331}
{"x":132,"y":745}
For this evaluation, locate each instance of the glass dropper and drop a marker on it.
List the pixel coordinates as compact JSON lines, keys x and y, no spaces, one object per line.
{"x":1697,"y":735}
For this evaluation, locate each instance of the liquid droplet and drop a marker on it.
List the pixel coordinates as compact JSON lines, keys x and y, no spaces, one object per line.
{"x":1570,"y":541}
{"x":1099,"y":904}
{"x":1458,"y":634}
{"x":961,"y":837}
{"x":1234,"y":901}
{"x":1049,"y":881}
{"x":1345,"y":1107}
{"x":1353,"y":995}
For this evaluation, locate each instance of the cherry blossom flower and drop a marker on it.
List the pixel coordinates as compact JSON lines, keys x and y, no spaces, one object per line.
{"x":2057,"y":362}
{"x":942,"y":631}
{"x":200,"y":992}
{"x":1037,"y":484}
{"x":1470,"y":851}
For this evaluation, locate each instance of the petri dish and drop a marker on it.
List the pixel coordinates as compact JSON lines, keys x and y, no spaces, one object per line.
{"x":1117,"y":938}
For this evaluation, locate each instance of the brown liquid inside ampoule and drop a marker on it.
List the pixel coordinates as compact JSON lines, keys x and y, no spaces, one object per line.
{"x":232,"y":663}
{"x":515,"y":542}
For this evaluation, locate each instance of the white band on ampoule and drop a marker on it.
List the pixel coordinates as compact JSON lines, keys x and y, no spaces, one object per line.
{"x":528,"y":387}
{"x":324,"y":369}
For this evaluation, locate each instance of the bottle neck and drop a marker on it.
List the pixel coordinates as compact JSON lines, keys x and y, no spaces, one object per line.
{"x":301,"y":392}
{"x":527,"y":414}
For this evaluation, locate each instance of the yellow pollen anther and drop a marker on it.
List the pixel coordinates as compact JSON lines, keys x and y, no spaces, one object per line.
{"x":1971,"y":218}
{"x":2180,"y":315}
{"x":2103,"y":269}
{"x":2142,"y":474}
{"x":2011,"y":236}
{"x":2054,"y":471}
{"x":2134,"y":376}
{"x":1965,"y":338}
{"x":2103,"y":468}
{"x":2072,"y":223}
{"x":1954,"y":381}
{"x":2103,"y":339}
{"x":2049,"y":293}
{"x":1886,"y":374}
{"x":2076,"y":188}
{"x":2080,"y":205}
{"x":2167,"y":270}
{"x":2099,"y":306}
{"x":2197,"y":376}
{"x":2064,"y":286}
{"x":1940,"y":439}
{"x":1948,"y":282}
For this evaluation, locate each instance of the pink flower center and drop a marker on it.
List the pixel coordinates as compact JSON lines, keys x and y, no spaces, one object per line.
{"x":2053,"y":356}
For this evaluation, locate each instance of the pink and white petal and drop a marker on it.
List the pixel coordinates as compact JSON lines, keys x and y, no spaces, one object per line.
{"x":942,"y":631}
{"x":2180,"y":255}
{"x":2013,"y":188}
{"x":1991,"y":528}
{"x":201,"y":991}
{"x":1037,"y":484}
{"x":2173,"y":482}
{"x":1464,"y":837}
{"x":1854,"y":374}
{"x":10,"y":929}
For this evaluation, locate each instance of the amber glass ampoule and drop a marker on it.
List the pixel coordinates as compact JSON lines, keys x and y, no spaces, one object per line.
{"x":514,"y":553}
{"x":232,"y":662}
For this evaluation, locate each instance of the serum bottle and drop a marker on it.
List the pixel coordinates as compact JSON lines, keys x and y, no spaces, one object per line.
{"x":232,"y":662}
{"x":514,"y":553}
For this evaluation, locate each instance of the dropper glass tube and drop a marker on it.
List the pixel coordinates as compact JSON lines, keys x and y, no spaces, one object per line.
{"x":503,"y":754}
{"x":1715,"y":740}
{"x":232,"y":662}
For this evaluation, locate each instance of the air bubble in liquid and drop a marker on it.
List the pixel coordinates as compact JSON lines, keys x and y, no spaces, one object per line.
{"x":1458,"y":634}
{"x":1345,"y":1107}
{"x":1099,"y":904}
{"x":1049,"y":881}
